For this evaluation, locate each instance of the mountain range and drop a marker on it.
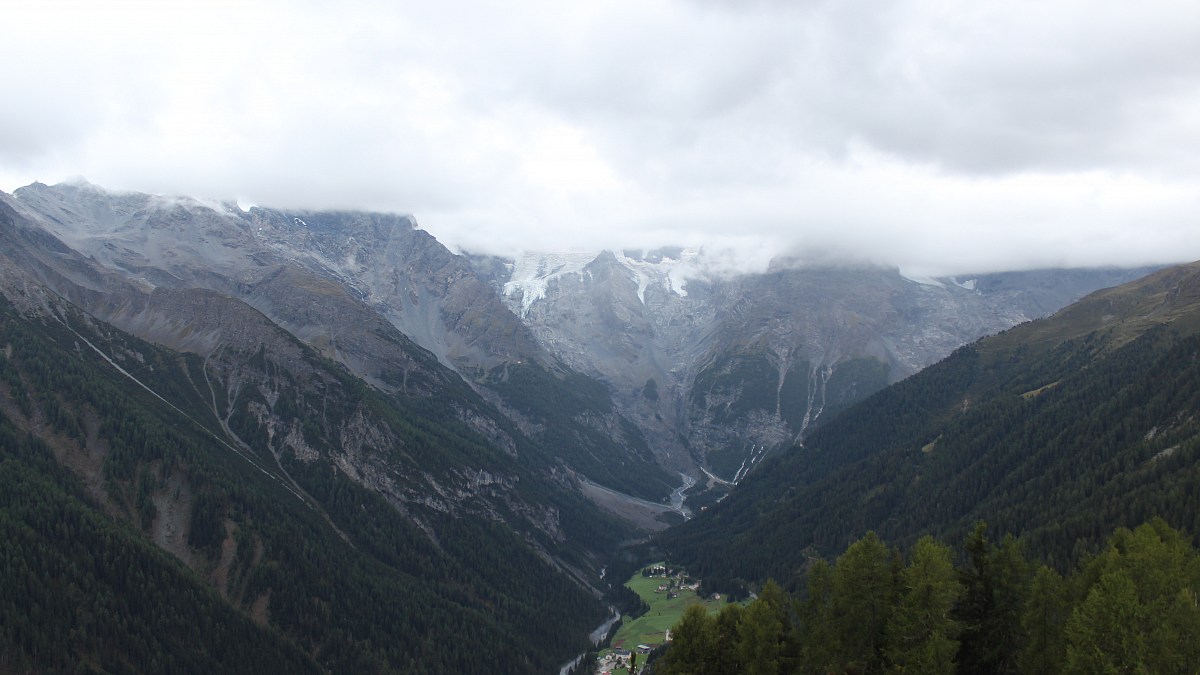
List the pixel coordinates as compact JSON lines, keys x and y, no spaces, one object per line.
{"x":358,"y":447}
{"x":718,"y":368}
{"x":363,"y":524}
{"x":1056,"y":431}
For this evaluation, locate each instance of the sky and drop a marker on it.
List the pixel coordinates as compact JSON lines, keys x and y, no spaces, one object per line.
{"x":941,"y":137}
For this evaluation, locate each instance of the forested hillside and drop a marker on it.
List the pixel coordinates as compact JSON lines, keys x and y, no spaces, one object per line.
{"x":1057,"y":431}
{"x":81,"y":593}
{"x":1132,"y":608}
{"x":281,"y":563}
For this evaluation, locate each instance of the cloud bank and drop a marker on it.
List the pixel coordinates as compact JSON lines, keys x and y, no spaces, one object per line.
{"x":941,"y":137}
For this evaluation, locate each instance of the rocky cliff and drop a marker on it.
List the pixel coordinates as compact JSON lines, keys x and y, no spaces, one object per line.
{"x":719,"y":368}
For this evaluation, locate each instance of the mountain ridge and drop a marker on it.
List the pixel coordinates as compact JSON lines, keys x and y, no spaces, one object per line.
{"x":354,"y":285}
{"x":1057,"y":430}
{"x":750,"y":361}
{"x":423,"y":479}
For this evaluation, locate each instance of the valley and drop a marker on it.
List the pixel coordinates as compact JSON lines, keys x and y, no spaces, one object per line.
{"x":666,"y":593}
{"x":297,"y":418}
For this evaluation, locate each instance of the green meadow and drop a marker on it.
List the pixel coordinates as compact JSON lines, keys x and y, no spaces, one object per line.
{"x":651,"y":627}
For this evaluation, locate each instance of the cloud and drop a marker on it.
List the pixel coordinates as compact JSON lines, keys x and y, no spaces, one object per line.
{"x":941,"y":136}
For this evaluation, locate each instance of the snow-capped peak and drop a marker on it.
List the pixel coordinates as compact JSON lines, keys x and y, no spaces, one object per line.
{"x":533,"y":272}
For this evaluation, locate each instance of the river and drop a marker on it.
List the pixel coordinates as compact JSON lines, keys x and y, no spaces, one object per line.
{"x":596,"y":637}
{"x":677,"y":497}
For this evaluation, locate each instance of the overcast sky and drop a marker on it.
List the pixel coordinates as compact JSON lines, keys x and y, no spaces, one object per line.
{"x":943,"y":137}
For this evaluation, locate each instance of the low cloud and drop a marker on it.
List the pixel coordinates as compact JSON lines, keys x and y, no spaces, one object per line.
{"x":944,"y":138}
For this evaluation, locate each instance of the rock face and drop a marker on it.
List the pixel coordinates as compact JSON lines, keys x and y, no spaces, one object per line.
{"x":282,"y":479}
{"x":381,"y":261}
{"x":703,"y":369}
{"x":370,"y":291}
{"x":259,"y":380}
{"x":718,"y":369}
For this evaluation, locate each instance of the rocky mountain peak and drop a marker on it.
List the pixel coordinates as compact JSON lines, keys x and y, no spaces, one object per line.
{"x":743,"y":361}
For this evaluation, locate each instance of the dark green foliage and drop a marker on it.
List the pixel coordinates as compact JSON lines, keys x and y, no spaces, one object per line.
{"x":1043,"y":622}
{"x":736,"y":384}
{"x":1136,"y":605}
{"x":850,"y":382}
{"x":207,"y":518}
{"x":793,"y":395}
{"x":701,"y":496}
{"x":1131,"y":609}
{"x":376,"y":594}
{"x":995,"y":579}
{"x":694,"y":644}
{"x":76,"y":590}
{"x":705,"y":645}
{"x":1058,"y":444}
{"x":864,"y":589}
{"x":572,"y":411}
{"x":922,"y":635}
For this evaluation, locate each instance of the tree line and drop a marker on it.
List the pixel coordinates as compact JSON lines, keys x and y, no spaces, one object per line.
{"x":984,"y":608}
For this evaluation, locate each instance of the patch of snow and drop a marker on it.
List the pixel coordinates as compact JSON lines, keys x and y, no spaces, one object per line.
{"x":533,"y":273}
{"x":668,"y":272}
{"x":640,"y":274}
{"x":299,"y":222}
{"x":677,"y":283}
{"x":969,"y":284}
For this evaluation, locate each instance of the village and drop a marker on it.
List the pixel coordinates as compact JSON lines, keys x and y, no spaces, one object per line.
{"x":668,"y":591}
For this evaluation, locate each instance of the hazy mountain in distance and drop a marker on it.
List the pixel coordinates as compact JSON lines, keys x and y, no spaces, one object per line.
{"x":718,"y":368}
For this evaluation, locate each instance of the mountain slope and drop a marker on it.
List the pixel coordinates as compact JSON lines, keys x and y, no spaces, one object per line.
{"x":370,"y":291}
{"x":82,"y":592}
{"x":371,"y":528}
{"x":701,"y":368}
{"x":1057,"y":430}
{"x":717,"y":368}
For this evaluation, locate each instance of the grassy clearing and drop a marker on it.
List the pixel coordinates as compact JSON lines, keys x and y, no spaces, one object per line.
{"x":651,"y":627}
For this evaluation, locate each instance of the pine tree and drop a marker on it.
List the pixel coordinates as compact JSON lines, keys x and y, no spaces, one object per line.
{"x":1139,"y":609}
{"x":762,"y":632}
{"x":816,"y":635}
{"x":864,"y":587}
{"x":922,"y":634}
{"x":1043,"y":622}
{"x":1103,"y":633}
{"x":996,"y":580}
{"x":693,"y":644}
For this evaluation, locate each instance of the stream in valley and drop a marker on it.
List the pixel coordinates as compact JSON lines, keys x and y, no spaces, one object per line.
{"x":678,"y":496}
{"x":597,"y":636}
